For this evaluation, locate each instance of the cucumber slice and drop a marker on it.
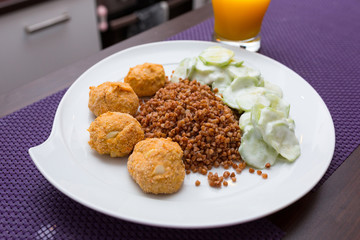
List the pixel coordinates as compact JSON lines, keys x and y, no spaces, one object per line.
{"x":236,"y":62}
{"x":243,"y":71}
{"x":278,"y":103}
{"x":254,"y":151}
{"x":282,"y":138}
{"x":276,"y":130}
{"x":243,"y":82}
{"x":235,"y":72}
{"x":202,"y":78}
{"x":254,"y":73}
{"x":184,"y":70}
{"x":211,"y":77}
{"x":274,"y":88}
{"x":291,"y":123}
{"x":229,"y":100}
{"x":217,"y":56}
{"x":221,"y":82}
{"x":255,"y":114}
{"x":250,"y":97}
{"x":245,"y":120}
{"x":206,"y":74}
{"x":262,"y":115}
{"x":239,"y":71}
{"x":243,"y":92}
{"x":201,"y":67}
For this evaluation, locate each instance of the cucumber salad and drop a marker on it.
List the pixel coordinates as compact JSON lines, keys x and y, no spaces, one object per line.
{"x":268,"y":131}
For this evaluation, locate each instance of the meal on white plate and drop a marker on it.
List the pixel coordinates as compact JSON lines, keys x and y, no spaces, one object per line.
{"x":212,"y":111}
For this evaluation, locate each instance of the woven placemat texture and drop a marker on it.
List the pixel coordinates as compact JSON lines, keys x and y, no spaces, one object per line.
{"x":316,"y":38}
{"x":31,"y":208}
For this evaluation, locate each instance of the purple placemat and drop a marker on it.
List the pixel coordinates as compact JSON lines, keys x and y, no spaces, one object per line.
{"x":31,"y":208}
{"x":318,"y":42}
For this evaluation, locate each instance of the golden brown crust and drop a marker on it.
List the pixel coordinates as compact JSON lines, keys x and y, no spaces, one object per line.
{"x":156,"y":165}
{"x":115,"y":133}
{"x":146,"y":79}
{"x":113,"y":97}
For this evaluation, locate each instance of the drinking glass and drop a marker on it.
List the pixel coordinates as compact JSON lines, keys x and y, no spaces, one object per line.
{"x":238,"y":22}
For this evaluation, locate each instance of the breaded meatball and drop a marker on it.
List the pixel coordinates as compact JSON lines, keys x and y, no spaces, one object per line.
{"x":156,"y":165}
{"x":146,"y":79}
{"x":113,"y":97}
{"x":115,"y":133}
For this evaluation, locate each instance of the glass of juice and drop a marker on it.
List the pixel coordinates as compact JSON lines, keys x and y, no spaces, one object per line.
{"x":238,"y":22}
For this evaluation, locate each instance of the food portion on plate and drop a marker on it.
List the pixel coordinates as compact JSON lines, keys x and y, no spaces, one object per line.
{"x":113,"y":97}
{"x":215,"y":111}
{"x":268,"y":132}
{"x":146,"y":79}
{"x":115,"y":133}
{"x":156,"y":165}
{"x":192,"y":115}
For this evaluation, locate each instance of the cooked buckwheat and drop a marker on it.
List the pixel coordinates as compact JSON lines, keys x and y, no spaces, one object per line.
{"x":192,"y":115}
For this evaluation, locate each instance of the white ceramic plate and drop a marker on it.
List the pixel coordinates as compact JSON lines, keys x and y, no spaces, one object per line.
{"x":103,"y":184}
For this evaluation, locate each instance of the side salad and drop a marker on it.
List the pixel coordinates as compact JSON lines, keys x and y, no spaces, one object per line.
{"x":268,"y":131}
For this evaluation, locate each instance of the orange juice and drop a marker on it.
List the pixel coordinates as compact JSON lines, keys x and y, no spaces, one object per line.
{"x":239,"y":19}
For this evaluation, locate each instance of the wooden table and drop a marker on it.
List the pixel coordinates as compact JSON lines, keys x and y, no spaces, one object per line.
{"x":330,"y":212}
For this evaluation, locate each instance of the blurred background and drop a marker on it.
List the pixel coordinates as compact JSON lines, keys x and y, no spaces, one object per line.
{"x":41,"y":36}
{"x":128,"y":17}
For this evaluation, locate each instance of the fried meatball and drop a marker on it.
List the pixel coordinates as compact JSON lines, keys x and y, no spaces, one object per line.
{"x":156,"y":165}
{"x":146,"y":79}
{"x":115,"y":133}
{"x":113,"y":97}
